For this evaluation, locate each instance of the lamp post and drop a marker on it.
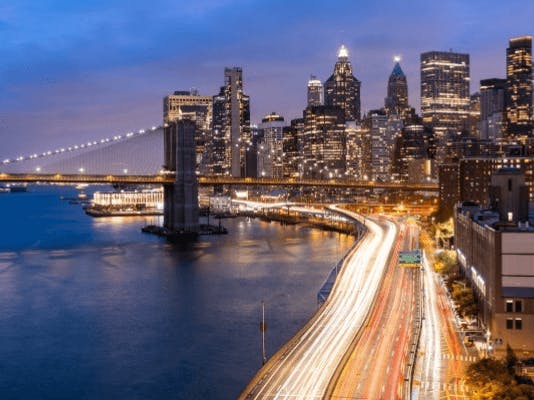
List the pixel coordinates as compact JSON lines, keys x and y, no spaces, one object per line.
{"x":263,"y":328}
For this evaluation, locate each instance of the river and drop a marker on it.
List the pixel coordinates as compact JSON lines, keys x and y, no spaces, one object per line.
{"x":95,"y":309}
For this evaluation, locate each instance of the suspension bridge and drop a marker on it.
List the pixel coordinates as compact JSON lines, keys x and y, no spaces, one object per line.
{"x":137,"y":158}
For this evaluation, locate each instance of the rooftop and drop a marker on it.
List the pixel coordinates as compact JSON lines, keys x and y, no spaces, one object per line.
{"x":487,"y":217}
{"x":397,"y":70}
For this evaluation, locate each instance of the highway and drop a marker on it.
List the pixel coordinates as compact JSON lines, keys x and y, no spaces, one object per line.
{"x":441,"y":357}
{"x":428,"y":365}
{"x":455,"y":356}
{"x":375,"y":366}
{"x":303,"y":367}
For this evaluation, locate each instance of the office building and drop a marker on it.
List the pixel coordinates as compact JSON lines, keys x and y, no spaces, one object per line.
{"x":492,"y":108}
{"x":519,"y":88}
{"x":324,"y":143}
{"x":270,"y":146}
{"x":251,"y":157}
{"x":445,"y":92}
{"x":396,"y":101}
{"x":190,"y":105}
{"x":358,"y":158}
{"x":231,"y":126}
{"x":382,"y":132}
{"x":474,"y":115}
{"x":475,"y":173}
{"x":413,"y":154}
{"x":292,"y":149}
{"x":315,"y":92}
{"x":342,"y":89}
{"x":449,"y":188}
{"x":472,"y":178}
{"x":495,"y":248}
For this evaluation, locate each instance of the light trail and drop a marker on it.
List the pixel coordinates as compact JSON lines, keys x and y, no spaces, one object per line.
{"x":303,"y":368}
{"x":375,"y":366}
{"x":429,"y":362}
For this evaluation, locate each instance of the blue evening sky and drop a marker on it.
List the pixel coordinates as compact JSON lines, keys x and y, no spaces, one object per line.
{"x":71,"y":70}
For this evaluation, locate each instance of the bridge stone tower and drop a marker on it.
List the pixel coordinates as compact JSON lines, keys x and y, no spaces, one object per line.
{"x":181,"y":198}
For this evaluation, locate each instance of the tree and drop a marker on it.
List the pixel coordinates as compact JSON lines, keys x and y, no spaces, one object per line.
{"x":444,"y":231}
{"x":464,"y":296}
{"x":488,"y":370}
{"x":493,"y":379}
{"x":446,"y":261}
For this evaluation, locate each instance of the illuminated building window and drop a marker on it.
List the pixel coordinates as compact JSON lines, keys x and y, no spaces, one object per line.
{"x":509,"y":323}
{"x":518,"y":323}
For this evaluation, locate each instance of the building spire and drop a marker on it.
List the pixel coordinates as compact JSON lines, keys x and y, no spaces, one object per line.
{"x":343,"y":53}
{"x":397,"y":70}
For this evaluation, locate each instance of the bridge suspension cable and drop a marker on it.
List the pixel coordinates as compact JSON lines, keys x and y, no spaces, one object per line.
{"x":81,"y":146}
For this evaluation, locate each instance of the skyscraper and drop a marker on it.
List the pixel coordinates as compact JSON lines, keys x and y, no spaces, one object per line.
{"x":397,"y":95}
{"x":324,"y":143}
{"x":519,"y":87}
{"x":219,"y":147}
{"x":382,"y":132}
{"x":358,"y":158}
{"x":315,"y":92}
{"x":231,"y":126}
{"x":474,"y":115}
{"x":190,"y":105}
{"x":270,"y":149}
{"x":412,"y":152}
{"x":342,"y":89}
{"x":292,"y":146}
{"x":445,"y":91}
{"x":491,"y":107}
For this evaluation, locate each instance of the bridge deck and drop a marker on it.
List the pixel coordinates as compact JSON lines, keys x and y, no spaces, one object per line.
{"x":169,"y":178}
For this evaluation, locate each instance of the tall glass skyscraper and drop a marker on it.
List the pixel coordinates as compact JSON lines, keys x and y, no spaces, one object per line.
{"x":445,"y":91}
{"x":397,"y":95}
{"x":519,"y":87}
{"x":324,"y":145}
{"x":342,"y":89}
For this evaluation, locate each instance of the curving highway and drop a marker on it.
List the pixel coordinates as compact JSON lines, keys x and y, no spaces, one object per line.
{"x":375,"y":366}
{"x":303,"y":368}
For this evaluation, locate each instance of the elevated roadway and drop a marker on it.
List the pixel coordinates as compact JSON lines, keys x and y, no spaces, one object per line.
{"x":374,"y":368}
{"x":168,"y":178}
{"x":303,"y":367}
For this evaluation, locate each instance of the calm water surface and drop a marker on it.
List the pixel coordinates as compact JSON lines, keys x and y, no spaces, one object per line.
{"x":94,"y":309}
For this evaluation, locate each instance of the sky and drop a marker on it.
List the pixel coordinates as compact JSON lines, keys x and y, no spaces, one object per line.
{"x":73,"y":71}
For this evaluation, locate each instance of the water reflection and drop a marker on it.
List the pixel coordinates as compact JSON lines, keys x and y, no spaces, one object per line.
{"x":99,"y":310}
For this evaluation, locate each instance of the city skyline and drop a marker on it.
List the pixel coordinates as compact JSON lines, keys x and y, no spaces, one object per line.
{"x":77,"y":72}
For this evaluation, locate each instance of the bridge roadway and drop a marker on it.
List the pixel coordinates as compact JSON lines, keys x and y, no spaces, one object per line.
{"x":303,"y":368}
{"x":169,"y":178}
